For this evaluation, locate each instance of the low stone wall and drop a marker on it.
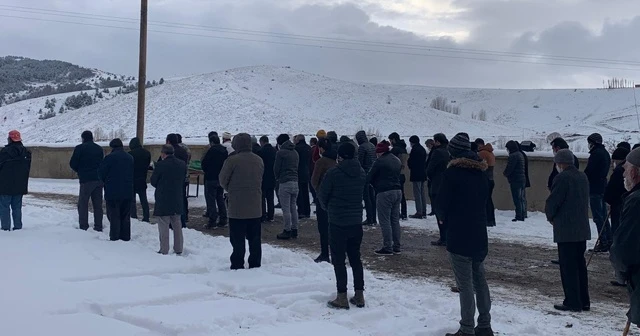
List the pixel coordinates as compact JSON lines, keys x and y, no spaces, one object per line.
{"x":53,"y":162}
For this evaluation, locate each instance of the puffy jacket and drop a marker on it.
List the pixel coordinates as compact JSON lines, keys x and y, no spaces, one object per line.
{"x":168,"y":179}
{"x":213,"y":161}
{"x":268,"y":155}
{"x":437,"y":166}
{"x":514,"y":171}
{"x":554,"y":172}
{"x":116,"y":172}
{"x":285,"y":167}
{"x":568,"y":207}
{"x":526,"y":170}
{"x":366,"y":151}
{"x":141,"y":162}
{"x":486,"y":154}
{"x":615,"y":188}
{"x":341,"y":193}
{"x":15,"y":165}
{"x":598,"y":169}
{"x":385,"y":173}
{"x":304,"y":160}
{"x":86,"y":160}
{"x":417,"y":163}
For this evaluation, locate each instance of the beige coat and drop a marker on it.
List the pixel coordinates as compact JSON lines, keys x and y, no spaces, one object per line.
{"x":241,"y":177}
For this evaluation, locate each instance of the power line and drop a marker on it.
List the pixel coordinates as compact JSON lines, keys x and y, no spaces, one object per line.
{"x":329,"y":47}
{"x":322,"y":39}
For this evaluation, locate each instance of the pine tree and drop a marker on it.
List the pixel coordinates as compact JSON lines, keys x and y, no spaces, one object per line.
{"x":61,"y":111}
{"x":161,"y":81}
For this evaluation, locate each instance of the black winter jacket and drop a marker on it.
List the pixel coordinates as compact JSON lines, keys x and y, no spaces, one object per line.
{"x":417,"y":163}
{"x":598,"y":169}
{"x":385,"y":173}
{"x":437,"y":166}
{"x":285,"y":167}
{"x":213,"y":161}
{"x":141,"y":162}
{"x":341,"y":193}
{"x":268,"y":155}
{"x":304,"y":160}
{"x":86,"y":160}
{"x":514,"y":171}
{"x":526,"y":170}
{"x":461,"y":204}
{"x":615,"y":188}
{"x":116,"y":172}
{"x":15,"y":165}
{"x":168,"y":179}
{"x":366,"y":151}
{"x":554,"y":172}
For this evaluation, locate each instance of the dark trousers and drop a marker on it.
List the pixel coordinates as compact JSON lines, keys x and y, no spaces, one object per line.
{"x":143,"y":202}
{"x":239,"y":231}
{"x":441,"y":227}
{"x":573,"y":272}
{"x":517,"y":190}
{"x":323,"y":229}
{"x":304,"y":205}
{"x":118,"y":213}
{"x":369,"y":197}
{"x":491,"y":209}
{"x":268,"y":208}
{"x":90,"y":190}
{"x":184,"y":218}
{"x":313,"y":194}
{"x":216,"y":208}
{"x":403,"y":204}
{"x":616,"y":212}
{"x":346,"y":240}
{"x":599,"y":213}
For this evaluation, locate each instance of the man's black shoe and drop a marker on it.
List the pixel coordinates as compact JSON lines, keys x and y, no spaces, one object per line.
{"x":562,"y":307}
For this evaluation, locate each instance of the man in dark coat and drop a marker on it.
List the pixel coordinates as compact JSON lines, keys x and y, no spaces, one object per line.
{"x":268,"y":155}
{"x":212,"y":163}
{"x":341,"y":195}
{"x":527,"y":184}
{"x":85,"y":161}
{"x":116,"y":172}
{"x":168,"y":179}
{"x":366,"y":157}
{"x":181,"y":153}
{"x":418,"y":175}
{"x":304,"y":177}
{"x":597,"y":170}
{"x":567,"y":209}
{"x":15,"y":165}
{"x":515,"y":174}
{"x":385,"y":178}
{"x":141,"y":162}
{"x":613,"y":196}
{"x":328,"y":160}
{"x":399,"y":149}
{"x":461,"y":204}
{"x":625,"y":251}
{"x":558,"y":144}
{"x":438,"y":162}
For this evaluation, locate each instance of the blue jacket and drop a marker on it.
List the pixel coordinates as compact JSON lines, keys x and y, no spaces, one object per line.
{"x":116,"y":172}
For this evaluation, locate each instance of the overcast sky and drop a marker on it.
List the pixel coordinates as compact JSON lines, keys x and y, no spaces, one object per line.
{"x":607,"y":30}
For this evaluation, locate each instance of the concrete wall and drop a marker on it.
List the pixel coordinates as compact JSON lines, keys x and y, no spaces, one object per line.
{"x":52,"y":162}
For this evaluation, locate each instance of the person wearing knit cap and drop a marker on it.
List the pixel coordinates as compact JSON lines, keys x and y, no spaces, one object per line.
{"x":567,"y":210}
{"x":624,"y":145}
{"x":116,"y":172}
{"x":315,"y":151}
{"x":417,"y":164}
{"x":226,"y":142}
{"x":556,"y":145}
{"x":321,"y":134}
{"x":613,"y":196}
{"x":625,"y":251}
{"x":341,"y":195}
{"x":439,"y":158}
{"x":597,"y":170}
{"x":384,"y":176}
{"x":461,"y":204}
{"x":15,"y":165}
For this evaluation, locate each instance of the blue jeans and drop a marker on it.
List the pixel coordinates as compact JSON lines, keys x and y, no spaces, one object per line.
{"x":11,"y":207}
{"x":599,"y":213}
{"x":517,"y":190}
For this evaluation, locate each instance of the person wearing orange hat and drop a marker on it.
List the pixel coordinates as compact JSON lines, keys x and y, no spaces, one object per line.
{"x":15,"y":165}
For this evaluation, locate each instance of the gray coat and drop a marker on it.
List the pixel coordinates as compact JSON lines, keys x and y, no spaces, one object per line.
{"x":568,"y":207}
{"x":514,"y":172}
{"x":286,"y":165}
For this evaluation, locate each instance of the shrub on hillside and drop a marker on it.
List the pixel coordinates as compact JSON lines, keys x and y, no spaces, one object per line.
{"x":78,"y":101}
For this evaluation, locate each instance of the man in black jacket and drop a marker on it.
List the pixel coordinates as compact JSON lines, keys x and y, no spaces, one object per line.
{"x":625,"y":251}
{"x":399,"y":149}
{"x":304,"y":156}
{"x":168,"y":179}
{"x":341,"y":195}
{"x":558,"y":144}
{"x":141,"y":162}
{"x":613,"y":196}
{"x":384,"y":175}
{"x":527,"y":184}
{"x":567,"y":209}
{"x":462,"y":198}
{"x":515,"y":174}
{"x":15,"y":165}
{"x":418,"y":176}
{"x":597,"y":171}
{"x":85,"y":161}
{"x":116,"y":172}
{"x":212,"y":163}
{"x":438,"y":162}
{"x":268,"y":155}
{"x":367,"y":156}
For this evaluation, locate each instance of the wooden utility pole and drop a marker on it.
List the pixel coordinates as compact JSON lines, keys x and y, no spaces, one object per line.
{"x":142,"y":74}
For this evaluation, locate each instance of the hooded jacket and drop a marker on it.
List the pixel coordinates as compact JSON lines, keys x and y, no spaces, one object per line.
{"x":385,"y":173}
{"x":327,"y":161}
{"x":15,"y":165}
{"x":268,"y":155}
{"x":486,"y":154}
{"x":285,"y":167}
{"x":514,"y":171}
{"x":366,"y":151}
{"x":116,"y":172}
{"x":141,"y":162}
{"x":597,"y":169}
{"x":213,"y":161}
{"x":85,"y":161}
{"x":341,"y":193}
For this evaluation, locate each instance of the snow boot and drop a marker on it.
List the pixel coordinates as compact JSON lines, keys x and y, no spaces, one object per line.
{"x":322,"y":258}
{"x":417,"y":216}
{"x":384,"y":252}
{"x":285,"y":235}
{"x":460,"y":333}
{"x":341,"y":302}
{"x":294,"y":233}
{"x":223,"y":222}
{"x":358,"y":299}
{"x":484,"y":331}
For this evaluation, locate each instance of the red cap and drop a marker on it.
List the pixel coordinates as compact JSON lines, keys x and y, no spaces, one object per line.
{"x":15,"y":136}
{"x":382,"y":147}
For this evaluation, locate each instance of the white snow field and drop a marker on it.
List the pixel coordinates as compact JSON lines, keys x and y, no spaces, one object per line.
{"x":271,"y":100}
{"x":63,"y":281}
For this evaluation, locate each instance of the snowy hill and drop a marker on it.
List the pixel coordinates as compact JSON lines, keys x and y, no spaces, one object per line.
{"x":272,"y":100}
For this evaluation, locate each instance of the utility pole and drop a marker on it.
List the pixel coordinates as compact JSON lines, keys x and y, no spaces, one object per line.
{"x":142,"y":74}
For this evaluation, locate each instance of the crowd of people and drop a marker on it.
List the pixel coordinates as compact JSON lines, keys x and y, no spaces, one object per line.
{"x":243,"y":174}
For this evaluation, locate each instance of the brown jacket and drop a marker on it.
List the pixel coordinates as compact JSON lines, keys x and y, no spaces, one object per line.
{"x":322,"y":166}
{"x":241,"y":177}
{"x":486,"y":154}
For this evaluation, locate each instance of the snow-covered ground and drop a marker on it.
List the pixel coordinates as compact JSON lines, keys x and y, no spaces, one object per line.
{"x":63,"y":281}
